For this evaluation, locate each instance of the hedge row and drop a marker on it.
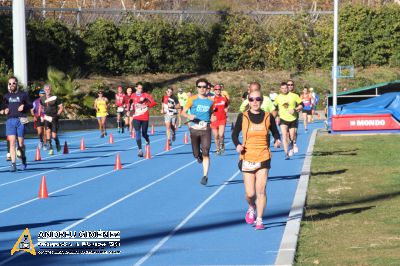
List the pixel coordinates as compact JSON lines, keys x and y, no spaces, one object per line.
{"x":368,"y":36}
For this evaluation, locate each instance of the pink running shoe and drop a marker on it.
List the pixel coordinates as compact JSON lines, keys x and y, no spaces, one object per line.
{"x":259,"y":224}
{"x":250,"y":216}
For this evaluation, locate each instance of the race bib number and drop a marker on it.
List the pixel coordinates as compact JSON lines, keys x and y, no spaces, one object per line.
{"x":140,"y":109}
{"x":23,"y":120}
{"x":120,"y":109}
{"x":202,"y":125}
{"x":250,"y":166}
{"x":48,"y":118}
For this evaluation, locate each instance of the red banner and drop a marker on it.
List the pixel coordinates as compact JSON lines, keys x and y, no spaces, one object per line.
{"x":364,"y":122}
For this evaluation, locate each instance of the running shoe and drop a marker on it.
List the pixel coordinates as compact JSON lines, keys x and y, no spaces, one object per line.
{"x":200,"y":158}
{"x":40,"y":146}
{"x":218,"y":152}
{"x":13,"y":167}
{"x":58,"y":147}
{"x":259,"y":224}
{"x":105,"y":133}
{"x":295,"y":148}
{"x":19,"y":153}
{"x":291,"y":152}
{"x":287,"y":157}
{"x":119,"y":130}
{"x":250,"y":216}
{"x":51,"y":151}
{"x":222,"y":148}
{"x":102,"y":135}
{"x":140,"y":153}
{"x":173,"y":136}
{"x":122,"y":131}
{"x":45,"y":147}
{"x":8,"y":157}
{"x":204,"y":180}
{"x":24,"y":166}
{"x":148,"y":142}
{"x":305,"y":131}
{"x":170,"y":142}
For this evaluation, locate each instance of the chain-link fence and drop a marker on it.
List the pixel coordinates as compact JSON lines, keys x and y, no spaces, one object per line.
{"x":81,"y":17}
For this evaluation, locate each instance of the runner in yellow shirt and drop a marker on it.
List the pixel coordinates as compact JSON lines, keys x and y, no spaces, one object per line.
{"x":267,"y":105}
{"x":101,"y":105}
{"x":288,"y":105}
{"x":182,"y":98}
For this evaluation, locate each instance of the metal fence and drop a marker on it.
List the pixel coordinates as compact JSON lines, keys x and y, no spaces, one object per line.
{"x":81,"y":17}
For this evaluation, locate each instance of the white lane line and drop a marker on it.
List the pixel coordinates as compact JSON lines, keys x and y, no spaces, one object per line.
{"x":33,"y":142}
{"x":113,"y":203}
{"x":65,"y":167}
{"x":82,"y":182}
{"x":179,"y":226}
{"x":287,"y":249}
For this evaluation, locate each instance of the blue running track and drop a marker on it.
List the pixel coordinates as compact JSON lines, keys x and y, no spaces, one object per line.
{"x":165,"y":216}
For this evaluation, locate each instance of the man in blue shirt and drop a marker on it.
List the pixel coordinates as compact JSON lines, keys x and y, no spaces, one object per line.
{"x":200,"y":131}
{"x":16,"y":103}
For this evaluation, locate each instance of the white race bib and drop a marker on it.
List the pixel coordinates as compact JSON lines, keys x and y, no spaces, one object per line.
{"x":120,"y":109}
{"x":23,"y":120}
{"x":48,"y":118}
{"x":250,"y":166}
{"x":202,"y":125}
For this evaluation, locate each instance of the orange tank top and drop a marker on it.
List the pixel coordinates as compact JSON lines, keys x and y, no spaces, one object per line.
{"x":255,"y":139}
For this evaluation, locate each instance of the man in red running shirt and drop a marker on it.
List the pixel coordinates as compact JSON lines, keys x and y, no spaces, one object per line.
{"x":220,"y":108}
{"x":142,"y":102}
{"x":119,"y":103}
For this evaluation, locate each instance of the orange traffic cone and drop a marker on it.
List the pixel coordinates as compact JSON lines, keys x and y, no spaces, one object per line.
{"x":186,"y":139}
{"x":148,"y":155}
{"x":133,"y":135}
{"x":66,"y":151}
{"x":83,"y":147}
{"x":152,"y":130}
{"x":111,"y":139}
{"x":43,"y":189}
{"x":37,"y":156}
{"x":167,"y":146}
{"x":118,"y":165}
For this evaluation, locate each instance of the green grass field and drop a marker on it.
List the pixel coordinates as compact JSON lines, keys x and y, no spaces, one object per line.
{"x":352,"y":214}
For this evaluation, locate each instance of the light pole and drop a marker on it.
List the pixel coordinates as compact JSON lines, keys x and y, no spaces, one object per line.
{"x":19,"y":41}
{"x":335,"y":54}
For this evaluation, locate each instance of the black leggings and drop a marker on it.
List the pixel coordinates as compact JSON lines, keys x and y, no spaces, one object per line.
{"x":137,"y":124}
{"x":200,"y":139}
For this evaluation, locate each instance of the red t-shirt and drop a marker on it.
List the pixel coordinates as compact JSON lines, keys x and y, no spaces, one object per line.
{"x":126,"y":101}
{"x":119,"y":99}
{"x":141,"y":105}
{"x":219,"y":105}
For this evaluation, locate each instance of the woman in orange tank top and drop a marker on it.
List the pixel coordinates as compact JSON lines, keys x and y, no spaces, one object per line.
{"x":255,"y":155}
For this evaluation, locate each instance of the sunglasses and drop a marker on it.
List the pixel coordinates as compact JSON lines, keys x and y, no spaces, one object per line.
{"x":257,"y":99}
{"x":202,"y":87}
{"x":290,"y":84}
{"x":217,"y":89}
{"x":12,"y":83}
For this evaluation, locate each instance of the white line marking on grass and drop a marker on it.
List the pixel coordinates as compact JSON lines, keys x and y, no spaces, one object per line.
{"x":82,"y":182}
{"x":179,"y":226}
{"x":113,"y":203}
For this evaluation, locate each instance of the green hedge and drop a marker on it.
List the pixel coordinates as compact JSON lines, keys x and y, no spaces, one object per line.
{"x":368,"y":36}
